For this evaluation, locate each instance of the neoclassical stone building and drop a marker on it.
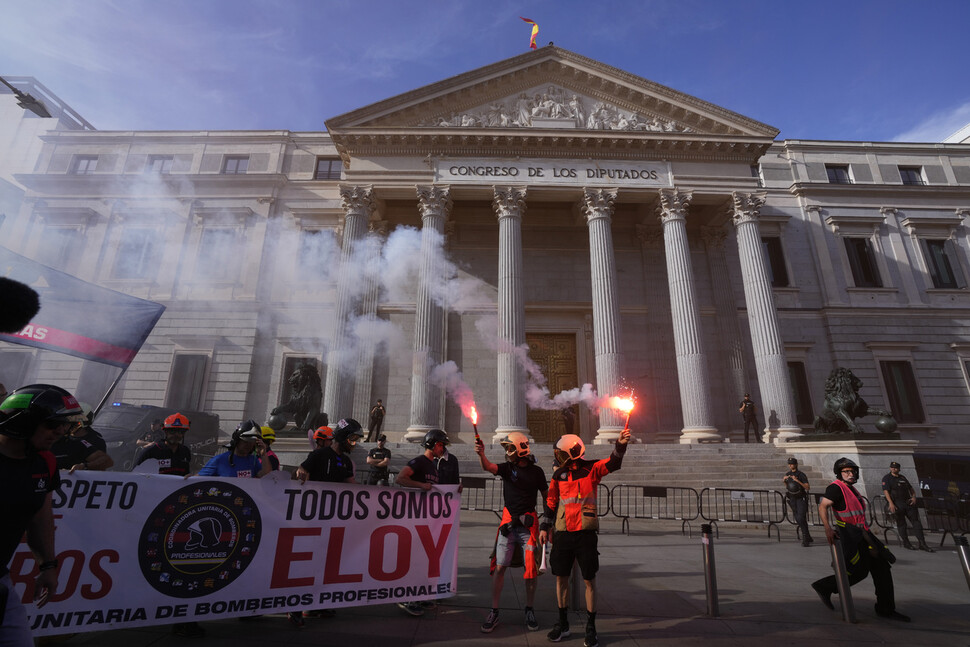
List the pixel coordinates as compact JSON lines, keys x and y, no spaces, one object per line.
{"x":630,"y":235}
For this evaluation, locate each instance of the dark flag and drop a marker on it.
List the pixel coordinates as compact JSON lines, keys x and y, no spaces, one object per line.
{"x":79,"y":318}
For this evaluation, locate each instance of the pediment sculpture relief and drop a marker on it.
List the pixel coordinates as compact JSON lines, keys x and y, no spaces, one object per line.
{"x":554,"y":107}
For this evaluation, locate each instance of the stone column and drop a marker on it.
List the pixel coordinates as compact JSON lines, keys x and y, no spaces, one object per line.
{"x":598,"y":208}
{"x":777,"y":404}
{"x":729,"y":333}
{"x":359,"y":204}
{"x":695,"y":389}
{"x":509,"y":205}
{"x":434,"y":202}
{"x":365,"y":352}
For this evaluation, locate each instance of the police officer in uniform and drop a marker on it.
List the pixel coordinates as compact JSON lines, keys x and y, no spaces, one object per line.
{"x":901,"y":498}
{"x":864,"y":553}
{"x":378,"y":459}
{"x":797,"y":485}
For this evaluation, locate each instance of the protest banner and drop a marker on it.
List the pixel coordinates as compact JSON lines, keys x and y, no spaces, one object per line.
{"x":144,"y":549}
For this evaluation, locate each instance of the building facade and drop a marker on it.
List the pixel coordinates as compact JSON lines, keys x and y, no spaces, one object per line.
{"x":512,"y":234}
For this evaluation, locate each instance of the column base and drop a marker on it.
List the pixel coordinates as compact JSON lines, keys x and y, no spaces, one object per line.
{"x":415,"y":433}
{"x":695,"y":435}
{"x":782,"y":435}
{"x":502,"y":432}
{"x":608,"y":435}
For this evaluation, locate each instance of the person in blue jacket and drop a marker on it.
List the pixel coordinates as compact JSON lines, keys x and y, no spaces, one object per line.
{"x":244,"y":458}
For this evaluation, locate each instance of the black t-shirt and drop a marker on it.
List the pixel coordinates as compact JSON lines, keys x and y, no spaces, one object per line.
{"x":448,"y":470}
{"x":424,"y":469}
{"x":899,"y":488}
{"x":520,"y":486}
{"x":71,"y":450}
{"x":795,"y":489}
{"x":748,"y":411}
{"x":169,"y":462}
{"x":25,"y":484}
{"x":379,"y":453}
{"x":324,"y":464}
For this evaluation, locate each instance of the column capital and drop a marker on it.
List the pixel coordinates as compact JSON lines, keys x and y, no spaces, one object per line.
{"x":358,"y":200}
{"x":714,"y":237}
{"x":746,"y":207}
{"x":674,"y":204}
{"x":888,"y":211}
{"x":962,"y":212}
{"x":434,"y":200}
{"x":508,"y":201}
{"x":598,"y":203}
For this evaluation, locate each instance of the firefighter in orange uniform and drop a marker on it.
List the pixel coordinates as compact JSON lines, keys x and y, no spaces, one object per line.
{"x":572,"y":494}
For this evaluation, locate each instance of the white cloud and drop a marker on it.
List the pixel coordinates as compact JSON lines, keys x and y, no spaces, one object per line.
{"x":937,"y":126}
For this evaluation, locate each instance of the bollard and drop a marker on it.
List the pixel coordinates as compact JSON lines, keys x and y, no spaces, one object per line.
{"x":963,"y":550}
{"x":842,"y":579}
{"x":710,"y":573}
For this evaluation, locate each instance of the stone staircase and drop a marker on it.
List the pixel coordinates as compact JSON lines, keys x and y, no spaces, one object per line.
{"x":722,"y":465}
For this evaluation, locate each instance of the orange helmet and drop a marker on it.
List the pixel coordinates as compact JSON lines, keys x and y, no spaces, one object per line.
{"x":176,"y":421}
{"x":323,"y":433}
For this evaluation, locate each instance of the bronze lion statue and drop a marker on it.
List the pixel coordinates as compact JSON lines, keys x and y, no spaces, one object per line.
{"x":843,"y":404}
{"x":307,"y":395}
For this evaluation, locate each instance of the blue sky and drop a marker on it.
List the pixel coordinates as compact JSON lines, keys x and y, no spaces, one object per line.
{"x":847,"y":70}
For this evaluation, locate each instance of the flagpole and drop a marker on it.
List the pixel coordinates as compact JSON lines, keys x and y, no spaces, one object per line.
{"x":110,"y":390}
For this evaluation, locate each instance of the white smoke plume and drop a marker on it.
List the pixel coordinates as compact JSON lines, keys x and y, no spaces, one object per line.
{"x":449,"y":377}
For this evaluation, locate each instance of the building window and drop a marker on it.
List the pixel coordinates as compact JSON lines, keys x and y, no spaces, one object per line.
{"x":161,"y":164}
{"x":328,"y":168}
{"x":941,"y":262}
{"x":84,"y":164}
{"x":912,"y":175}
{"x":775,"y":256}
{"x":838,"y":174}
{"x":862,"y":260}
{"x":186,"y":387}
{"x":62,"y":245}
{"x":137,"y":254}
{"x":219,"y":254}
{"x":901,"y":391}
{"x":803,"y":399}
{"x":235,"y":165}
{"x":95,"y":380}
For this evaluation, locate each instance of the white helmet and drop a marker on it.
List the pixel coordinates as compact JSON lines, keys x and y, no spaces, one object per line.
{"x":569,"y":447}
{"x":516,"y":446}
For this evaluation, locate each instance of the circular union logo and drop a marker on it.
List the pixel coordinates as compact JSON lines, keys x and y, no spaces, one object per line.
{"x":199,"y":539}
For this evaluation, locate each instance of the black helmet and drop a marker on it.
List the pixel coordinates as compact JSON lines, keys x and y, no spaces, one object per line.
{"x":845,"y":463}
{"x":27,"y":407}
{"x":434,"y":437}
{"x":345,"y":429}
{"x":247,"y":430}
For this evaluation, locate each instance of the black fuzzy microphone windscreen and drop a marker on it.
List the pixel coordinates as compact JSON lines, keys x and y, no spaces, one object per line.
{"x":18,"y":305}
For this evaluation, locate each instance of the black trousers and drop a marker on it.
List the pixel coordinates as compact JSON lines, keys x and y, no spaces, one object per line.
{"x":751,"y":423}
{"x":911,"y":513}
{"x":879,"y":568}
{"x":799,"y":508}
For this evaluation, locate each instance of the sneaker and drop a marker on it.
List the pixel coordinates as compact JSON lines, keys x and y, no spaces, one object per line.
{"x":490,"y":622}
{"x":188,"y":630}
{"x":591,"y":640}
{"x":530,"y":620}
{"x":412,"y":608}
{"x":296,"y":619}
{"x":559,"y":631}
{"x":826,"y":598}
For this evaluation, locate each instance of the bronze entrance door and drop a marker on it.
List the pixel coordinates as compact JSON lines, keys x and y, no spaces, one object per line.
{"x":555,"y":353}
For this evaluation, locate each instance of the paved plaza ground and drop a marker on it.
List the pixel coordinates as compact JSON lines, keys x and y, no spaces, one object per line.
{"x":651,"y":592}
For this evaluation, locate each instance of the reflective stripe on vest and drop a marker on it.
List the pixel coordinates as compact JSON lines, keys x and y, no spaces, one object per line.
{"x":855,"y":512}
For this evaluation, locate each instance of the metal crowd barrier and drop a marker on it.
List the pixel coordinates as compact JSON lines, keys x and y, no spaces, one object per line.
{"x":947,"y":513}
{"x":483,"y":493}
{"x":743,"y":506}
{"x":880,"y":517}
{"x":655,"y":502}
{"x":603,"y":495}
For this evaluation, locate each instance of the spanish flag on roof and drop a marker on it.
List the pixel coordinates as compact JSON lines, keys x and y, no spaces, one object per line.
{"x":535,"y":32}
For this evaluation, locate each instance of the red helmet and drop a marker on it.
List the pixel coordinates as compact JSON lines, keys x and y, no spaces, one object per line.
{"x":176,"y":422}
{"x":322,"y":433}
